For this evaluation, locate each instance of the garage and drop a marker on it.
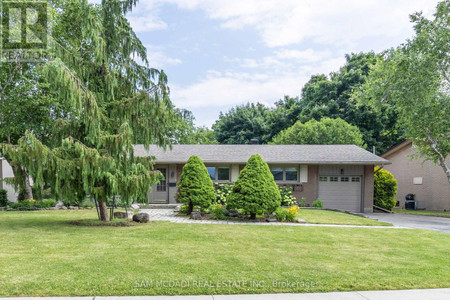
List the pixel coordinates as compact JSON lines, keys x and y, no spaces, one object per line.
{"x":341,"y":192}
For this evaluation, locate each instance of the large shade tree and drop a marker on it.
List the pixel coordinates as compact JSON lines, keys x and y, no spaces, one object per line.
{"x":112,"y":101}
{"x":414,"y":79}
{"x":324,"y":132}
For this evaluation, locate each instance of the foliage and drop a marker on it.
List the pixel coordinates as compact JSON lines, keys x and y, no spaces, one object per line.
{"x":255,"y":189}
{"x":109,"y":101}
{"x":414,"y":80}
{"x":385,"y":189}
{"x":222,"y":192}
{"x":330,"y":97}
{"x":287,"y":214}
{"x":302,"y":202}
{"x":195,"y":186}
{"x":184,"y":209}
{"x":242,"y":124}
{"x":32,"y":203}
{"x":324,"y":132}
{"x":219,"y":212}
{"x":287,"y":199}
{"x":3,"y":197}
{"x":184,"y":130}
{"x":317,"y":203}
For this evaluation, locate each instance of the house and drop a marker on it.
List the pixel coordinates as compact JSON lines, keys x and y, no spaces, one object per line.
{"x":424,"y":179}
{"x":7,"y":172}
{"x":340,"y":175}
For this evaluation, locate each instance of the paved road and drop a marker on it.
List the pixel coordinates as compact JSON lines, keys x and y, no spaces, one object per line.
{"x":433,"y":294}
{"x":414,"y":221}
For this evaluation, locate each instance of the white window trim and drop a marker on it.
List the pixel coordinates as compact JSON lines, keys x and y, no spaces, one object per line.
{"x":284,"y":167}
{"x":217,"y":173}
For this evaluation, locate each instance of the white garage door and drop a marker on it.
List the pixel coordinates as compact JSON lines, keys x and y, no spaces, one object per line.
{"x":341,"y":192}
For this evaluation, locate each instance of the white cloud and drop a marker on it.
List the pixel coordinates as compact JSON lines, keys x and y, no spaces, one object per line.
{"x":158,"y":60}
{"x":288,"y":22}
{"x":146,"y":23}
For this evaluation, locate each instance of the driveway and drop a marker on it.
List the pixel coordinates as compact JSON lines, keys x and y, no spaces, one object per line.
{"x":414,"y":221}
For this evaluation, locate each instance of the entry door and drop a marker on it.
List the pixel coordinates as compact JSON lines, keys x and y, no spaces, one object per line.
{"x":160,"y":191}
{"x":341,"y":192}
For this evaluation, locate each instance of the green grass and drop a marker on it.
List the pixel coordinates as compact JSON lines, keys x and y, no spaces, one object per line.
{"x":42,"y":255}
{"x":445,"y":214}
{"x":317,"y":216}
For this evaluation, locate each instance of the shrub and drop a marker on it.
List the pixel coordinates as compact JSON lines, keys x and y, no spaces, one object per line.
{"x":303,"y":202}
{"x":317,"y":203}
{"x":385,"y":189}
{"x":30,"y":203}
{"x":255,"y":189}
{"x":281,"y":214}
{"x":287,"y":199}
{"x":287,"y":214}
{"x":219,"y":212}
{"x":195,"y":187}
{"x":222,"y":193}
{"x":87,"y":204}
{"x":183,"y":209}
{"x":3,"y":197}
{"x":47,"y":203}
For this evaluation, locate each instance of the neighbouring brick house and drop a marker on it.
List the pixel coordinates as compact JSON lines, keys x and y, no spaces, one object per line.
{"x":426,"y":180}
{"x":340,"y":175}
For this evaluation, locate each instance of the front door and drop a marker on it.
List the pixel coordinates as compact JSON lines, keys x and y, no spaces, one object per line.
{"x":160,"y":191}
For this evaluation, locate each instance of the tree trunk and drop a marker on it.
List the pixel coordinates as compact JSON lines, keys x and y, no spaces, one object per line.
{"x":190,"y":208}
{"x":435,"y":146}
{"x":28,"y":189}
{"x":253,"y":216}
{"x":103,"y":211}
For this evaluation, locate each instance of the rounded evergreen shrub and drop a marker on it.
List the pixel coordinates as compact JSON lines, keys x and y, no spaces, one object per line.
{"x":385,"y":189}
{"x":255,"y":189}
{"x":3,"y":197}
{"x":195,"y":187}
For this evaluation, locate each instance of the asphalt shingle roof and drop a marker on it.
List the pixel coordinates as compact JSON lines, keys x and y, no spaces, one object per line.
{"x":274,"y":154}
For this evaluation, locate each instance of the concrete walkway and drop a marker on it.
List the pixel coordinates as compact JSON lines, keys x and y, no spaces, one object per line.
{"x":414,"y":221}
{"x":170,"y":215}
{"x":431,"y":294}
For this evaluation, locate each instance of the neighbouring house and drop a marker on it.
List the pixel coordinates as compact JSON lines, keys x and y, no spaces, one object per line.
{"x":340,"y":175}
{"x":426,"y":180}
{"x":7,"y":172}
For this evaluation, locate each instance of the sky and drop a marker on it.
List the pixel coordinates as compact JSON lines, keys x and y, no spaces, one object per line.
{"x":222,"y":53}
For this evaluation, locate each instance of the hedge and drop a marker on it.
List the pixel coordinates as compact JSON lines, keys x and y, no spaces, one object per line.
{"x":385,"y":189}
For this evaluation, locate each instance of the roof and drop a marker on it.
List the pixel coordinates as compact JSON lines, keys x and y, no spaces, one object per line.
{"x":396,"y":148}
{"x":273,"y":154}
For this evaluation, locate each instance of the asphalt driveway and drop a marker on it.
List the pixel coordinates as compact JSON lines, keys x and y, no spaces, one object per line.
{"x":414,"y":221}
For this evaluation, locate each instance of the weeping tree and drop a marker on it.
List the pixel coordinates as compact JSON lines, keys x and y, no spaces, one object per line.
{"x":110,"y":101}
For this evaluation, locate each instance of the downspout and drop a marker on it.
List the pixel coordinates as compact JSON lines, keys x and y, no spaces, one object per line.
{"x":379,"y":169}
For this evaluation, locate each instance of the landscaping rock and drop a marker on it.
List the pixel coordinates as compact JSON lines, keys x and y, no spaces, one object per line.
{"x":73,"y":207}
{"x":123,"y":215}
{"x":271,"y":220}
{"x":59,"y":205}
{"x":233,"y":213}
{"x":141,"y":218}
{"x":196,"y":215}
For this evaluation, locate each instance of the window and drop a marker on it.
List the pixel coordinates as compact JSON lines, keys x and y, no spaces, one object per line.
{"x":333,"y":179}
{"x":323,"y":179}
{"x":284,"y":174}
{"x":219,"y":173}
{"x":356,"y":179}
{"x":162,"y":184}
{"x":344,"y":179}
{"x":212,"y":172}
{"x":291,"y":174}
{"x":223,"y":173}
{"x":277,"y":174}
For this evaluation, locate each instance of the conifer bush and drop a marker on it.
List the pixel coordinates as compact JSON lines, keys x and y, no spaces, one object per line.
{"x":385,"y":190}
{"x":255,"y":190}
{"x":195,"y":187}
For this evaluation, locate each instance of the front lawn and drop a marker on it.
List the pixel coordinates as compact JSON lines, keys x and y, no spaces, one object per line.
{"x":41,"y":254}
{"x":445,"y":214}
{"x":318,"y":216}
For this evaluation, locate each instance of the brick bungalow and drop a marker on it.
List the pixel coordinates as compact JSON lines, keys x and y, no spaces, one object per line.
{"x":340,"y":175}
